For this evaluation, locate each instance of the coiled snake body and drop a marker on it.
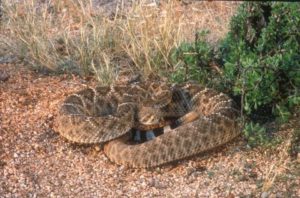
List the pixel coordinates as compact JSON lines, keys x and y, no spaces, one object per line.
{"x":204,"y":119}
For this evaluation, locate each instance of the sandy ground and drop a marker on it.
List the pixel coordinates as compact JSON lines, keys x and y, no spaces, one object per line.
{"x":36,"y":162}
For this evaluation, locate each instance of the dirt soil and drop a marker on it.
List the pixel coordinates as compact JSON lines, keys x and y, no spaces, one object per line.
{"x":36,"y":162}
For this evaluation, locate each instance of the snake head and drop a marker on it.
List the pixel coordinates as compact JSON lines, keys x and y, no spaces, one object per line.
{"x":159,"y":95}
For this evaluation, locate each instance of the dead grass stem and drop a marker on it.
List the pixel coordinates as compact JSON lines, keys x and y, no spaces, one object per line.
{"x":72,"y":36}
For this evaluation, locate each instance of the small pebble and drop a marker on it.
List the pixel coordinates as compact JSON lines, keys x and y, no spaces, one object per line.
{"x":264,"y":195}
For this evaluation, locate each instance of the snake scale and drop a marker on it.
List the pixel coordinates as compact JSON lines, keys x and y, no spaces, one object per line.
{"x":202,"y":119}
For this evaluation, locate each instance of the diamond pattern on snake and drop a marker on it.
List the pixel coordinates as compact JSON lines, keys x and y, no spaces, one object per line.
{"x":188,"y":119}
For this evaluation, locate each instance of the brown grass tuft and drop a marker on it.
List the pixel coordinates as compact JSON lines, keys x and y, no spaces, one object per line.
{"x":72,"y":36}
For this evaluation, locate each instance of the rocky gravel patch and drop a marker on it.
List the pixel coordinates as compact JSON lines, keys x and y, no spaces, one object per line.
{"x":36,"y":162}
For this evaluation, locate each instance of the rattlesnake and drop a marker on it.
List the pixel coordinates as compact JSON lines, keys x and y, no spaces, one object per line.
{"x":204,"y":119}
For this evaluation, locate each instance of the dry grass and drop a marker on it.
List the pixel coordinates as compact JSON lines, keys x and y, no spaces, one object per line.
{"x":72,"y":36}
{"x":284,"y":168}
{"x":279,"y":168}
{"x":62,"y":36}
{"x":150,"y":34}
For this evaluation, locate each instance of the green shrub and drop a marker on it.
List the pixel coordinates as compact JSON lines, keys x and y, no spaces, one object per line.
{"x":192,"y":60}
{"x":257,"y":135}
{"x":259,"y":59}
{"x":261,"y":56}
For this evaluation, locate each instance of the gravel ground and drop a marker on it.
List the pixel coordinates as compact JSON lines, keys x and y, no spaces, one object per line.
{"x":36,"y":162}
